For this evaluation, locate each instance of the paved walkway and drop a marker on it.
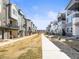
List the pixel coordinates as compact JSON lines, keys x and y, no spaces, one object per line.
{"x":51,"y":51}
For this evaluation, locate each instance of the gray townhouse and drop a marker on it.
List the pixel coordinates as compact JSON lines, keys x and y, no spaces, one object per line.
{"x":28,"y":23}
{"x":21,"y":23}
{"x":4,"y":20}
{"x":72,"y":16}
{"x":13,"y":23}
{"x":30,"y":27}
{"x":34,"y":28}
{"x":8,"y":20}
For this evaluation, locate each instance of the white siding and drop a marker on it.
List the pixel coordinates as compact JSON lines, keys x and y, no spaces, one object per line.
{"x":76,"y":26}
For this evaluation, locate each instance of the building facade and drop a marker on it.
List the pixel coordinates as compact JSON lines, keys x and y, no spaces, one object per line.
{"x":3,"y":19}
{"x":72,"y":16}
{"x":21,"y":23}
{"x":28,"y":27}
{"x":13,"y":23}
{"x":34,"y":28}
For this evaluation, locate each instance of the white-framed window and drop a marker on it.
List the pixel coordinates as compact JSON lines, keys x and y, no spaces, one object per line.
{"x":69,"y":19}
{"x":67,"y":29}
{"x":14,"y":12}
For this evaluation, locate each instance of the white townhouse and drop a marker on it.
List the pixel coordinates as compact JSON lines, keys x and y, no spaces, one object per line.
{"x":72,"y":16}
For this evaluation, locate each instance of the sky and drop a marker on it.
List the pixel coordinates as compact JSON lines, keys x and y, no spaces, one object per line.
{"x":41,"y":12}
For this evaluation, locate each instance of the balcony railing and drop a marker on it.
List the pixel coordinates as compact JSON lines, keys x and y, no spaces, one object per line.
{"x":72,"y":2}
{"x":13,"y":26}
{"x":75,"y":16}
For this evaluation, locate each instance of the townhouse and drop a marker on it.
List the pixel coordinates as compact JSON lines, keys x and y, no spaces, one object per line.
{"x":21,"y":23}
{"x":28,"y":27}
{"x":3,"y":19}
{"x":13,"y":22}
{"x":34,"y":28}
{"x":68,"y":22}
{"x":72,"y":16}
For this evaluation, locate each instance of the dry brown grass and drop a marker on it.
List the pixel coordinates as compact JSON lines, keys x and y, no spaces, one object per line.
{"x":73,"y":44}
{"x":25,"y":47}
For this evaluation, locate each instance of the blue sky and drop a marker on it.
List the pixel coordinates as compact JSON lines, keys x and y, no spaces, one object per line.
{"x":41,"y":12}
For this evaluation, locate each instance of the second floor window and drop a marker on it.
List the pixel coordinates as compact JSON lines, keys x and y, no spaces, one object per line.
{"x":76,"y":15}
{"x":14,"y":12}
{"x":67,"y":29}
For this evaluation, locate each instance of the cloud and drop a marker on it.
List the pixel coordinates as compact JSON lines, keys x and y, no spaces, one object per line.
{"x":40,"y":21}
{"x":41,"y":24}
{"x":52,"y":15}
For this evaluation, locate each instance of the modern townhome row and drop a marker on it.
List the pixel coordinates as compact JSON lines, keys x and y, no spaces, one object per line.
{"x":72,"y":16}
{"x":68,"y":21}
{"x":13,"y":22}
{"x":30,"y":27}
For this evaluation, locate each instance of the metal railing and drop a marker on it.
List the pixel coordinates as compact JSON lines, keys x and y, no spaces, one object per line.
{"x":75,"y":14}
{"x":13,"y":26}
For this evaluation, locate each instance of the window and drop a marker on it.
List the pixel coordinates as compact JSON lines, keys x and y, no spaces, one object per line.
{"x":69,"y":19}
{"x":67,"y":29}
{"x":76,"y":15}
{"x":71,"y":29}
{"x":14,"y":12}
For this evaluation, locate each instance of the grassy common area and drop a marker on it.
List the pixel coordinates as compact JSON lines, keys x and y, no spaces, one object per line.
{"x":30,"y":48}
{"x":73,"y":43}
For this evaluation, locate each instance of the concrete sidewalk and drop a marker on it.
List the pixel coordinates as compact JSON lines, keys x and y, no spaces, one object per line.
{"x":51,"y":51}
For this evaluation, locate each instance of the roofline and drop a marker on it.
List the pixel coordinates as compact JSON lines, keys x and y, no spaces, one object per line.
{"x":28,"y":19}
{"x":68,"y":4}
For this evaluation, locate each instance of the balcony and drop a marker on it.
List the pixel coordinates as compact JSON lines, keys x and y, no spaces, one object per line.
{"x":13,"y":26}
{"x":73,"y":4}
{"x":75,"y":18}
{"x":61,"y":17}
